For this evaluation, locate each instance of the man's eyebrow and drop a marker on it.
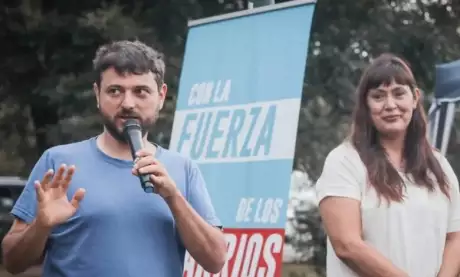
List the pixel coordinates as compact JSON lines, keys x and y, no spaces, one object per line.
{"x":114,"y":86}
{"x":133,"y":87}
{"x":142,"y":86}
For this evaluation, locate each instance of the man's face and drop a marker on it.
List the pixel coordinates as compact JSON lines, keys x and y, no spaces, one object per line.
{"x":121,"y":97}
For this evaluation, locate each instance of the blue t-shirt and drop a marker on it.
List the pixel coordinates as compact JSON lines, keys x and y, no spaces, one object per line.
{"x":118,"y":230}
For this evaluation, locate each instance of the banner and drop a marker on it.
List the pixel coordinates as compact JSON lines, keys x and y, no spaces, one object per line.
{"x":237,"y":116}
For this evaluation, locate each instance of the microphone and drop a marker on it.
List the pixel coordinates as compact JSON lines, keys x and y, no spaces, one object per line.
{"x":133,"y":134}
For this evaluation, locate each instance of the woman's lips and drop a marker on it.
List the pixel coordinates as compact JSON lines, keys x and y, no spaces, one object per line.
{"x":391,"y":117}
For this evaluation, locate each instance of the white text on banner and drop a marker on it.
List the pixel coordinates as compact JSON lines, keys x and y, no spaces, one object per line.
{"x":241,"y":133}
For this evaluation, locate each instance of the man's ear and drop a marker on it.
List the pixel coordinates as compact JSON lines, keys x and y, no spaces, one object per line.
{"x":96,"y":92}
{"x":163,"y":91}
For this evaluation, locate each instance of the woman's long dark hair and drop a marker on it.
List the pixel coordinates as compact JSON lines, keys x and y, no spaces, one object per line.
{"x":420,"y":161}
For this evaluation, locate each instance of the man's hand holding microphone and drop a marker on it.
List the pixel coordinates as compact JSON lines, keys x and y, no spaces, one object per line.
{"x":146,"y":164}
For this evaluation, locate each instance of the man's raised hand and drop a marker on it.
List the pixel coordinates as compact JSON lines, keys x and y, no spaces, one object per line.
{"x":54,"y":207}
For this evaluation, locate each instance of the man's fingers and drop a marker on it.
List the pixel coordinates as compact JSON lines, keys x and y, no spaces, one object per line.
{"x":68,"y":178}
{"x":156,"y":176}
{"x":156,"y":181}
{"x":77,"y":197}
{"x":144,"y":161}
{"x":58,"y":176}
{"x":151,"y":169}
{"x":143,"y":153}
{"x":47,"y":179}
{"x":39,"y":190}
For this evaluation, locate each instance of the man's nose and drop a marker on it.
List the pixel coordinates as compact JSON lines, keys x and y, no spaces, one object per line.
{"x":128,"y":101}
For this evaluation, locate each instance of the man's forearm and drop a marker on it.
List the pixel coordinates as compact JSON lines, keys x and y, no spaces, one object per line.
{"x":24,"y":249}
{"x":367,"y":262}
{"x":450,"y":262}
{"x":205,"y":243}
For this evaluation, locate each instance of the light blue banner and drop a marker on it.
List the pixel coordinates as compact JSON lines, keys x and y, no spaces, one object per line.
{"x":237,"y":110}
{"x":236,"y":116}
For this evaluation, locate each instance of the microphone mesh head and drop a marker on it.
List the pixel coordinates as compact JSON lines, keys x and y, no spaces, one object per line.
{"x":131,"y":124}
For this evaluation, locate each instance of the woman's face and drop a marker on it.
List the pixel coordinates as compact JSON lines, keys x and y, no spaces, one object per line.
{"x":391,"y":108}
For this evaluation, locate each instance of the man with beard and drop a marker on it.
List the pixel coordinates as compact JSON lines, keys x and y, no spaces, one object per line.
{"x":83,"y":211}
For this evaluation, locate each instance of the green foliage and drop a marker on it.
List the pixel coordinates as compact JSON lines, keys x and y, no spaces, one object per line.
{"x":46,"y":77}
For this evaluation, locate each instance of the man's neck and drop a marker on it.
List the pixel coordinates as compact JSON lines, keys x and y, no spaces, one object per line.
{"x":116,"y":149}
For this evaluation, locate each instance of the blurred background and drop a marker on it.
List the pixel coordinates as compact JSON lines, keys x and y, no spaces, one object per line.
{"x":46,"y":51}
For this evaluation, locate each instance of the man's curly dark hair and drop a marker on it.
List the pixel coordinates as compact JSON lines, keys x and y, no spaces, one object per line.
{"x":132,"y":57}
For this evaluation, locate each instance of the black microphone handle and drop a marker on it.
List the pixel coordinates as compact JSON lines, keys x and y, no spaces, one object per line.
{"x":135,"y":143}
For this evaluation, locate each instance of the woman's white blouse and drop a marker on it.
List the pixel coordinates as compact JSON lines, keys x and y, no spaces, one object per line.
{"x":411,"y":234}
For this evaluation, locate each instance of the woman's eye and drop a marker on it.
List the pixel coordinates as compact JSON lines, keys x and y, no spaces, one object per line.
{"x":377,"y":96}
{"x":400,"y":93}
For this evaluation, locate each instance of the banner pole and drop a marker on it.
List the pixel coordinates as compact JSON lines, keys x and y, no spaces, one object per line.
{"x":259,"y":3}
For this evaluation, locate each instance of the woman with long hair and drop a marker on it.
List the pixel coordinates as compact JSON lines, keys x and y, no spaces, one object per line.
{"x":389,"y":202}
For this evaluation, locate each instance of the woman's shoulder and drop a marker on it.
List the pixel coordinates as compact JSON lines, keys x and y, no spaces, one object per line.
{"x":445,"y":164}
{"x":439,"y":156}
{"x":343,"y":173}
{"x":344,"y":151}
{"x":344,"y":155}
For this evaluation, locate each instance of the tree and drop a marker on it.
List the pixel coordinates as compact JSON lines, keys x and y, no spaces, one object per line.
{"x":46,"y":76}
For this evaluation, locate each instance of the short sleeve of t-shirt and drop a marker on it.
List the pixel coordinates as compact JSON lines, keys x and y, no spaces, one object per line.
{"x":198,"y":196}
{"x":454,"y":208}
{"x":343,"y":174}
{"x":25,"y":206}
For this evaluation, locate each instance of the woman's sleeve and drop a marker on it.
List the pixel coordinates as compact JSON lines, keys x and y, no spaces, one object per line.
{"x":342,"y":175}
{"x":454,"y":207}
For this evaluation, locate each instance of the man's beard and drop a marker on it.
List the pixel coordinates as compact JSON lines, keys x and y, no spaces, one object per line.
{"x":116,"y":133}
